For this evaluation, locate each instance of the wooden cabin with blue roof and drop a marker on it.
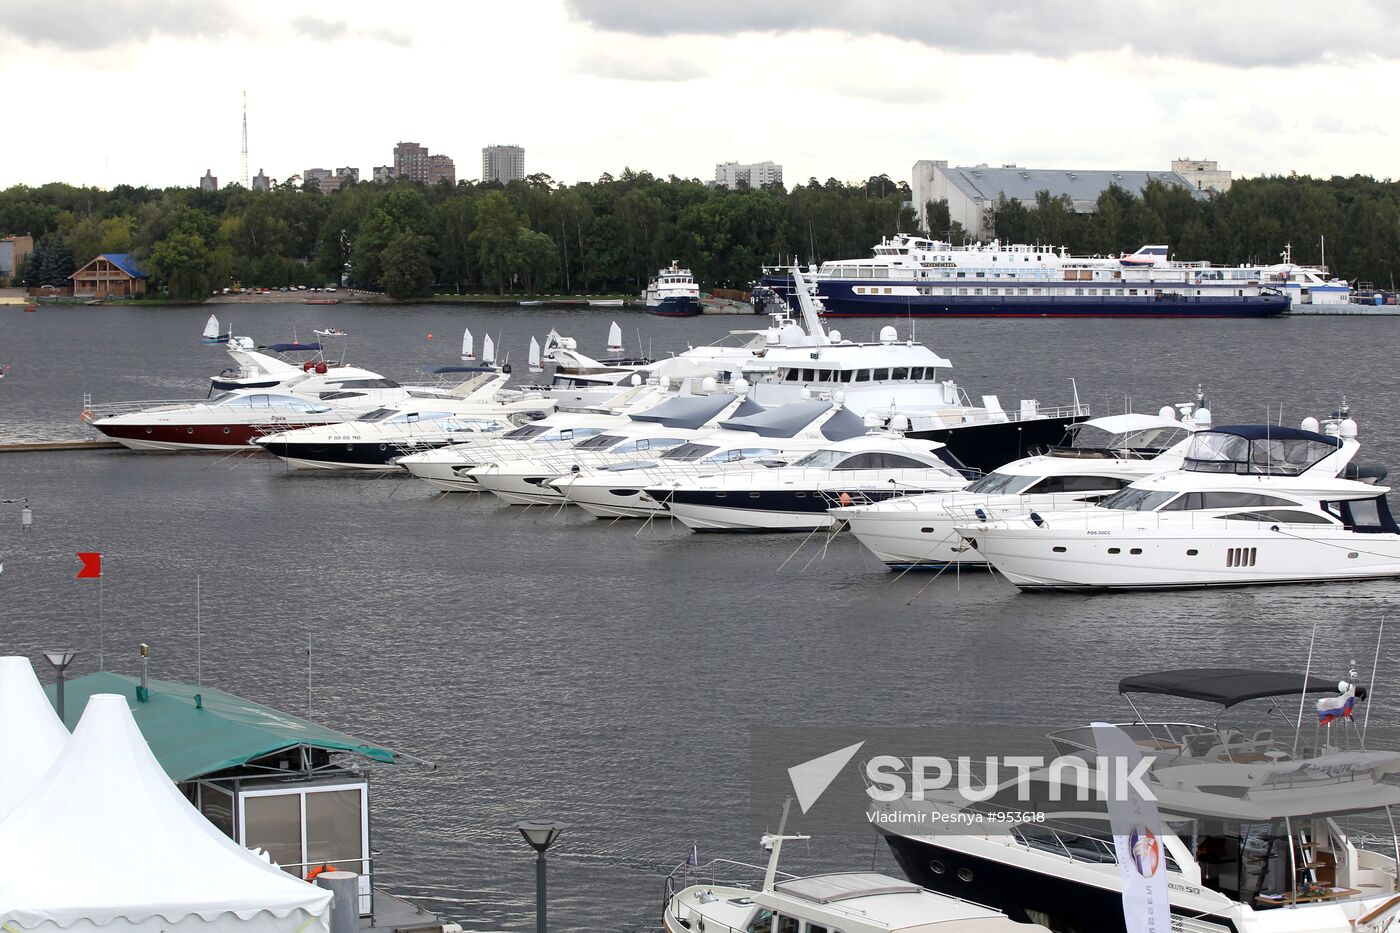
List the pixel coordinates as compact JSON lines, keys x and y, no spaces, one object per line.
{"x":111,"y":275}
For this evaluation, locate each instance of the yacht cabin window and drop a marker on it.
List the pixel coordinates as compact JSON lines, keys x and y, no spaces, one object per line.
{"x":1285,"y":516}
{"x":1132,"y":499}
{"x":880,"y":460}
{"x":995,"y":483}
{"x":686,"y":453}
{"x":1077,"y":484}
{"x":1192,"y":501}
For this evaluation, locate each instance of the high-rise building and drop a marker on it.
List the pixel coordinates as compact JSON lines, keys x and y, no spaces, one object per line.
{"x":209,"y":182}
{"x":440,"y":168}
{"x":753,"y":174}
{"x":348,"y":174}
{"x":261,"y":182}
{"x":383,"y":173}
{"x":322,"y":178}
{"x":504,"y":164}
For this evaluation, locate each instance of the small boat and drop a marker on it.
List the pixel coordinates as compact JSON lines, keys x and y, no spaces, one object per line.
{"x":673,"y":293}
{"x":31,"y":307}
{"x":468,"y":345}
{"x":321,"y":301}
{"x":535,"y":366}
{"x":330,"y":332}
{"x":211,"y":331}
{"x":614,"y":338}
{"x":488,"y":351}
{"x":531,"y":304}
{"x":605,"y":302}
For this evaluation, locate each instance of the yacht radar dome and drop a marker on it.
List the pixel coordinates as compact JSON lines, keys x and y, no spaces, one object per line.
{"x":708,"y":384}
{"x":1167,"y":412}
{"x":741,"y":386}
{"x":1309,"y":424}
{"x":1202,"y":417}
{"x":792,"y":335}
{"x":835,"y":336}
{"x":1347,"y":428}
{"x":888,"y":334}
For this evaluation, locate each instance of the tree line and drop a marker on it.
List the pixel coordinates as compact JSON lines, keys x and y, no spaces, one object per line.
{"x":611,"y":235}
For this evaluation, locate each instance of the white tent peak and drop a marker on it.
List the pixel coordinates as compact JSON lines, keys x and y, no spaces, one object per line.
{"x":31,"y":734}
{"x":107,"y":802}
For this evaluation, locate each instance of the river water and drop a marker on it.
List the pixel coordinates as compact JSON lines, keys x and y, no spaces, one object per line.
{"x":608,"y":674}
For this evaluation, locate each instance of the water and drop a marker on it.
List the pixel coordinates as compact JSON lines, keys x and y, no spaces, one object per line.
{"x":607,"y":675}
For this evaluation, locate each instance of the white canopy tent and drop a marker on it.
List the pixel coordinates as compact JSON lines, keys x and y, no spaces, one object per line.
{"x":31,"y":734}
{"x":106,"y":840}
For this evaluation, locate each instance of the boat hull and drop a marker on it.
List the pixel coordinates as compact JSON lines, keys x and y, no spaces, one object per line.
{"x":1103,"y":559}
{"x":364,"y":455}
{"x":841,"y":300}
{"x":765,"y":510}
{"x":676,"y":307}
{"x":186,"y":437}
{"x":618,"y":500}
{"x":989,"y":445}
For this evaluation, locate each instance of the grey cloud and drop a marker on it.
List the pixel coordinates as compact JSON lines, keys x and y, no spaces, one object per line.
{"x":651,"y":70}
{"x":90,"y":25}
{"x":328,"y":30}
{"x":1239,"y":33}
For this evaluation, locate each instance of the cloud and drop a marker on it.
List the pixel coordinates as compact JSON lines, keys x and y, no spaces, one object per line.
{"x":604,"y":56}
{"x":90,"y":25}
{"x":327,"y":30}
{"x":1241,"y":33}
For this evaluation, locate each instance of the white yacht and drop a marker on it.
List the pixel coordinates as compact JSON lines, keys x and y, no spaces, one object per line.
{"x":771,"y":437}
{"x":375,"y":439}
{"x":893,"y":378}
{"x":1097,"y":458}
{"x":1252,"y":504}
{"x":836,"y":902}
{"x":1261,"y":830}
{"x":797,"y":497}
{"x":522,"y":477}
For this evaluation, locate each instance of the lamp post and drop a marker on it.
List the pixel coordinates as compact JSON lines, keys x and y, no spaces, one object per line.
{"x":60,"y":661}
{"x":541,"y":835}
{"x":26,"y":514}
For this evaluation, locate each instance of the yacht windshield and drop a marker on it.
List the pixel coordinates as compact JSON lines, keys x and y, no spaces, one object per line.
{"x":273,"y":401}
{"x":821,"y":459}
{"x":598,"y":442}
{"x":995,"y":482}
{"x":525,"y":432}
{"x":1289,"y":453}
{"x":686,"y":453}
{"x":1137,"y":500}
{"x":379,"y":414}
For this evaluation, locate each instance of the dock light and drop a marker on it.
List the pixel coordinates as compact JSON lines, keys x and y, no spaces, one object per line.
{"x":541,"y":835}
{"x":60,"y":661}
{"x":26,"y":514}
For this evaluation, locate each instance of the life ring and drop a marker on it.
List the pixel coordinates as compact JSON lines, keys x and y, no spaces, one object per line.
{"x":323,"y":867}
{"x":87,"y":416}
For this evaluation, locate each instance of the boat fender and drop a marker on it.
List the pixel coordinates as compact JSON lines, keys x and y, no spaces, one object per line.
{"x":320,"y":367}
{"x":307,"y":366}
{"x":846,"y":499}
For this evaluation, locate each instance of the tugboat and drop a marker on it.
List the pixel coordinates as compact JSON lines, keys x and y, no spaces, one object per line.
{"x":673,"y":293}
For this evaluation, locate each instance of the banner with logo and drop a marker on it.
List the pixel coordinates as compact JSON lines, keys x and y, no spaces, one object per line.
{"x":1133,"y":818}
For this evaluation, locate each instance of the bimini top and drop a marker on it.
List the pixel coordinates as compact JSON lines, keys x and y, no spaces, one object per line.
{"x":292,"y":347}
{"x":1265,"y":449}
{"x":686,"y":411}
{"x":1225,"y":685}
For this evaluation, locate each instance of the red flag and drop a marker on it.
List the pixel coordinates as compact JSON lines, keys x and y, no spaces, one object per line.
{"x":92,"y":565}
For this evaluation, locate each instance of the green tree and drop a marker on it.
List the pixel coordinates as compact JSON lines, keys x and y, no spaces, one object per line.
{"x":404,"y":268}
{"x":538,"y":260}
{"x":183,"y":261}
{"x":496,"y":236}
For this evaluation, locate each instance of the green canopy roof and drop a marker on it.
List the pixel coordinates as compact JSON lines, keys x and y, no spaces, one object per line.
{"x":194,"y":731}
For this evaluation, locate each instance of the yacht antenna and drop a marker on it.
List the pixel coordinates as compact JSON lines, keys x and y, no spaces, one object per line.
{"x":308,"y":675}
{"x":1371,"y":687}
{"x":1303,"y":700}
{"x":198,"y":638}
{"x":1075,"y":386}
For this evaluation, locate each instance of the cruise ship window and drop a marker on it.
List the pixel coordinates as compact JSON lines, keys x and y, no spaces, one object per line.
{"x":977,"y":291}
{"x":991,"y":291}
{"x":962,"y":291}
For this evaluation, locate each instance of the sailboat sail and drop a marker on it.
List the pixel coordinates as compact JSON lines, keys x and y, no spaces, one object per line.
{"x":488,"y":350}
{"x":535,"y":366}
{"x":211,"y":331}
{"x":614,"y":338}
{"x":468,"y":345}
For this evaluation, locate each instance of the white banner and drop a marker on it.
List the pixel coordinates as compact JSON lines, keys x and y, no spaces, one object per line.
{"x":1133,"y":818}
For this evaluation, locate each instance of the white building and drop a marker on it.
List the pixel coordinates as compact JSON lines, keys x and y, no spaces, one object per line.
{"x":753,"y":174}
{"x":383,"y":173}
{"x":1205,"y":175}
{"x":971,"y":190}
{"x":504,"y":164}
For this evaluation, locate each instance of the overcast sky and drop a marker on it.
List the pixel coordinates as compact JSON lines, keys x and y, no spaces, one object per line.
{"x":148,"y":91}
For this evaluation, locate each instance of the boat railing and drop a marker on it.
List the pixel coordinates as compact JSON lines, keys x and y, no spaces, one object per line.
{"x":686,"y":875}
{"x":92,"y":412}
{"x":364,"y":867}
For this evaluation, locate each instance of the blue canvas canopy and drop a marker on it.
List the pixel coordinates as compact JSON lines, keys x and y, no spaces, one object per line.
{"x":292,"y":347}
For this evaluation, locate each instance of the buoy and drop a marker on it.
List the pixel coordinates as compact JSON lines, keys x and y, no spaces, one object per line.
{"x":430,"y":336}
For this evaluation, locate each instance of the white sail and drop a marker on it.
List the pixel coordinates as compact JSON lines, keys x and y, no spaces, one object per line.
{"x":535,"y":366}
{"x":614,"y":338}
{"x":211,"y":329}
{"x":488,"y":351}
{"x":468,"y":345}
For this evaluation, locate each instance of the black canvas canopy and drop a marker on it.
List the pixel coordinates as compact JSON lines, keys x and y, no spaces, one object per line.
{"x":1225,"y":685}
{"x":685,"y":411}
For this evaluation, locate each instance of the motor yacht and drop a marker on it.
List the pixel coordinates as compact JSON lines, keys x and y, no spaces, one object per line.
{"x":673,"y":293}
{"x":523,"y":477}
{"x":772,"y":437}
{"x":1096,"y":459}
{"x":375,"y":439}
{"x":1252,"y":504}
{"x":835,"y":902}
{"x":891,"y":378}
{"x":1261,"y":829}
{"x":797,"y":497}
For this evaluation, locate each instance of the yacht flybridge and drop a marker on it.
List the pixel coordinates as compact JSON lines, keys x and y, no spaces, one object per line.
{"x":1262,"y":828}
{"x":1096,"y":459}
{"x":903,"y":382}
{"x":1252,"y":504}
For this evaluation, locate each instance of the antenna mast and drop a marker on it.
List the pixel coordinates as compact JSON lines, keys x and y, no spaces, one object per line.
{"x":244,"y":177}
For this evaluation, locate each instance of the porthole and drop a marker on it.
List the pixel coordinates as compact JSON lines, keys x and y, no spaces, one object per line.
{"x":1352,"y":556}
{"x":1058,"y":549}
{"x":189,"y":430}
{"x":225,"y":430}
{"x":1115,"y":550}
{"x":1136,"y":550}
{"x":926,"y":530}
{"x":1191,"y":552}
{"x":148,"y":430}
{"x":937,"y":867}
{"x":965,"y":875}
{"x":383,"y":446}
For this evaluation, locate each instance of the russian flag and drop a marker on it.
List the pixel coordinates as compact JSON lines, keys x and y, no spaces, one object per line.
{"x":1338,"y":707}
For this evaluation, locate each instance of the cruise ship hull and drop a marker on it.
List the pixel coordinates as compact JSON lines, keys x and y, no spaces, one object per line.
{"x":841,"y":300}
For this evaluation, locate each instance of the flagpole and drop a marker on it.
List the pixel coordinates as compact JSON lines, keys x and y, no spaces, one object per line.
{"x":1371,"y":687}
{"x":101,"y":631}
{"x":1303,"y":699}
